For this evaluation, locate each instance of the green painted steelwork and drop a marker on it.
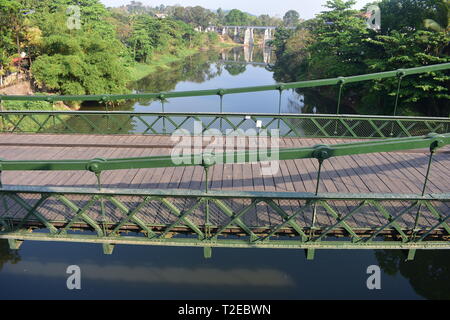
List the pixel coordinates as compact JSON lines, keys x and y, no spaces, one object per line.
{"x":224,"y":219}
{"x":400,"y":73}
{"x":288,"y":125}
{"x":154,"y":217}
{"x":320,"y":152}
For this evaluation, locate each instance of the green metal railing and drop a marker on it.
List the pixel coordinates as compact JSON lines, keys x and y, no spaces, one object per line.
{"x":207,"y":217}
{"x":286,"y":125}
{"x":319,"y":152}
{"x":226,"y":219}
{"x":344,"y":126}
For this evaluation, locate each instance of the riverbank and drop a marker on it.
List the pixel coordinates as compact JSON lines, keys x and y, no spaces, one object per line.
{"x":158,"y":61}
{"x":163,"y":61}
{"x":20,"y":88}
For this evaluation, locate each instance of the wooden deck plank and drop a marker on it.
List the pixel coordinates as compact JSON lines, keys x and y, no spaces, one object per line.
{"x":397,"y":172}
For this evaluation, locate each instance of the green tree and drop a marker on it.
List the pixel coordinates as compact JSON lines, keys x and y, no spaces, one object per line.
{"x":235,"y":69}
{"x":338,"y":49}
{"x":86,"y":64}
{"x":237,"y":18}
{"x":409,"y":15}
{"x":337,"y":43}
{"x":220,"y":16}
{"x":442,"y":23}
{"x":429,"y":93}
{"x":291,"y":18}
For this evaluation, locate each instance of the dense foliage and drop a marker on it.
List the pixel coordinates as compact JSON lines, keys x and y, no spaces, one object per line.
{"x":201,"y":17}
{"x":92,"y":49}
{"x":337,"y":42}
{"x":93,"y":56}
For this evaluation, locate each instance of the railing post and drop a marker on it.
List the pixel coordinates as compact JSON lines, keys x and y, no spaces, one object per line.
{"x":321,"y":153}
{"x":281,"y":88}
{"x":104,"y":101}
{"x":206,"y":163}
{"x":95,"y":167}
{"x":341,"y":83}
{"x":435,"y":144}
{"x":400,"y":75}
{"x":162,"y":99}
{"x":3,"y":118}
{"x":221,"y":93}
{"x":53,"y":117}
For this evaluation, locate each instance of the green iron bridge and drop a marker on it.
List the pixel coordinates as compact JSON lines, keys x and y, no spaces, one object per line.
{"x":342,"y":181}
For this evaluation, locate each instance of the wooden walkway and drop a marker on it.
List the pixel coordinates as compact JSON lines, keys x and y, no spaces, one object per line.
{"x":397,"y":172}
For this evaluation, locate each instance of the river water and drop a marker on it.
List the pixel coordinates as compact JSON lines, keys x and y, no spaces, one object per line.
{"x":38,"y":270}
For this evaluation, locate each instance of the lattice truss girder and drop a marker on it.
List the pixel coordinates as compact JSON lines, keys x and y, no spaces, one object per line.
{"x":211,"y":219}
{"x":288,"y":126}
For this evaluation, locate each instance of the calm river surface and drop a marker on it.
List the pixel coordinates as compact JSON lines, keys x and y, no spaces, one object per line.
{"x":38,"y":270}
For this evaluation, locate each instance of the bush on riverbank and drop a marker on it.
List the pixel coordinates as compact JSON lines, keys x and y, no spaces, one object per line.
{"x":337,"y":43}
{"x":102,"y":52}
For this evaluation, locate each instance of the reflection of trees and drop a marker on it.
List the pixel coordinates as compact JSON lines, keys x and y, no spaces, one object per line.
{"x":196,"y":68}
{"x":7,"y":255}
{"x":235,"y":69}
{"x":304,"y":100}
{"x":428,"y":274}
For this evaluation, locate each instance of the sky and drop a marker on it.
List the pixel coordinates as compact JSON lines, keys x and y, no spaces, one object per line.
{"x":306,"y":8}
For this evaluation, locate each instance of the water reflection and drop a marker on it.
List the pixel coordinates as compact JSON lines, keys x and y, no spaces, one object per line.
{"x":198,"y":68}
{"x":209,"y":276}
{"x":182,"y":273}
{"x":235,"y":67}
{"x":428,"y":274}
{"x":7,"y":255}
{"x":249,"y":54}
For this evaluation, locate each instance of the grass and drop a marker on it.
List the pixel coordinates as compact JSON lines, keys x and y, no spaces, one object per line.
{"x":163,"y":61}
{"x":158,"y":61}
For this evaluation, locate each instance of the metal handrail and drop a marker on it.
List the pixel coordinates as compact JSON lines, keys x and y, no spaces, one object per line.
{"x":223,"y":114}
{"x":319,"y":152}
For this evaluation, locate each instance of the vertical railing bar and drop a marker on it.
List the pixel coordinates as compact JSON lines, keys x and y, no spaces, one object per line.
{"x":314,"y":217}
{"x":341,"y":83}
{"x":3,"y":119}
{"x":162,"y":99}
{"x":53,"y":117}
{"x":206,"y":163}
{"x":400,"y":75}
{"x":416,"y":221}
{"x":279,"y":105}
{"x":221,"y":110}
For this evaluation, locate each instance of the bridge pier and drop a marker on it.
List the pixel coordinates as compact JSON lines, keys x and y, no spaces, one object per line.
{"x":267,"y":37}
{"x":207,"y":252}
{"x":14,"y":244}
{"x":248,"y":53}
{"x":108,"y":248}
{"x":411,"y":255}
{"x":310,"y":254}
{"x":266,"y":55}
{"x":248,"y":38}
